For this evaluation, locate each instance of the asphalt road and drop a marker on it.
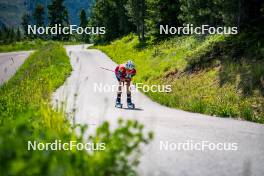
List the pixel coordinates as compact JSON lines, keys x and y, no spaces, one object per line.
{"x":10,"y":62}
{"x":170,"y":126}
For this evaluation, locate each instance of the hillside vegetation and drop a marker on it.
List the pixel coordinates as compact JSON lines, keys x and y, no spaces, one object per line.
{"x":29,"y":45}
{"x":22,"y":46}
{"x":216,"y":75}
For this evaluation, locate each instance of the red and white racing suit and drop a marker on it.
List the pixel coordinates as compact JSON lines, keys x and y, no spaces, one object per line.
{"x":123,"y":74}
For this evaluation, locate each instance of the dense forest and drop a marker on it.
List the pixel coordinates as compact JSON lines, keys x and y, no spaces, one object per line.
{"x":145,"y":16}
{"x":12,"y":11}
{"x":43,"y":13}
{"x":142,"y":17}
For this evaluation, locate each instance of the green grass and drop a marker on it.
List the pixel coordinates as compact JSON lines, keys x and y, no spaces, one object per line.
{"x":26,"y":115}
{"x":34,"y":82}
{"x":22,"y":46}
{"x":204,"y":76}
{"x":29,"y":45}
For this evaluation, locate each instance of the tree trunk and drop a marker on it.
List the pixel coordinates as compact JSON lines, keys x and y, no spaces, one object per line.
{"x":239,"y":15}
{"x":138,"y":32}
{"x":143,"y":31}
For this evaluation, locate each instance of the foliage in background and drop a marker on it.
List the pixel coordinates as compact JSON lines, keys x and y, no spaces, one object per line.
{"x":217,"y":75}
{"x":9,"y":35}
{"x":148,"y":15}
{"x":58,"y":15}
{"x":26,"y":20}
{"x":26,"y":115}
{"x":39,"y":15}
{"x":83,"y":24}
{"x":11,"y":11}
{"x":112,"y":15}
{"x":162,"y":12}
{"x":136,"y":10}
{"x":144,"y":17}
{"x":240,"y":13}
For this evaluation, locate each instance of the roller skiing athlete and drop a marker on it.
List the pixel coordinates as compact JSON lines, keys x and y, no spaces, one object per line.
{"x":124,"y":73}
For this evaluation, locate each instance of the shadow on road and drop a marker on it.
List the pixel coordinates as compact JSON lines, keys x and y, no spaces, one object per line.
{"x":135,"y":109}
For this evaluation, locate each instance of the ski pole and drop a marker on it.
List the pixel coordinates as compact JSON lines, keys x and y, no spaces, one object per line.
{"x":106,"y":69}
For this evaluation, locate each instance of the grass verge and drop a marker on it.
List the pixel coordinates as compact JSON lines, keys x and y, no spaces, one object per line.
{"x":208,"y":74}
{"x":26,"y":115}
{"x":22,"y":46}
{"x":29,"y":45}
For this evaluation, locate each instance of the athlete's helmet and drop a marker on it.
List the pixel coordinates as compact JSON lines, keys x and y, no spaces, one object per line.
{"x":130,"y":65}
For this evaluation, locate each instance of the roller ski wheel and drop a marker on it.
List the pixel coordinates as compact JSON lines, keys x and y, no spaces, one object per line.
{"x":131,"y":105}
{"x":118,"y":105}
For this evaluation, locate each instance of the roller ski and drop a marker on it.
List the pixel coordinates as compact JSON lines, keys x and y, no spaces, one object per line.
{"x":118,"y":104}
{"x":130,"y":105}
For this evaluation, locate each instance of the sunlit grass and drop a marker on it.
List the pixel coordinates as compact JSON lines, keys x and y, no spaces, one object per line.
{"x":32,"y":85}
{"x":26,"y":115}
{"x":22,"y":46}
{"x":214,"y":86}
{"x":29,"y":45}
